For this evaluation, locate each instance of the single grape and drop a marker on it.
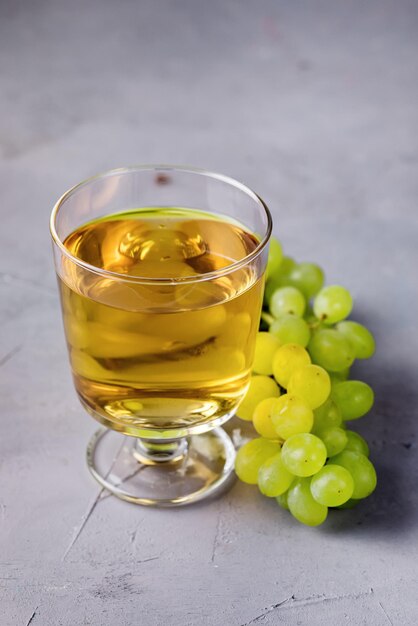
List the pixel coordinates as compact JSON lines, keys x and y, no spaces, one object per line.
{"x":360,"y":338}
{"x":260,"y":387}
{"x":356,"y":443}
{"x":273,"y":478}
{"x":332,"y":485}
{"x":304,"y":454}
{"x":287,"y":300}
{"x":291,"y":415}
{"x":251,"y":456}
{"x":307,"y":277}
{"x":282,"y":501}
{"x":311,"y":383}
{"x":326,"y":416}
{"x":303,"y":505}
{"x":333,"y":304}
{"x":262,"y":418}
{"x":266,"y":345}
{"x":291,"y":329}
{"x":334,"y":438}
{"x":286,"y":266}
{"x":287,"y":360}
{"x":281,"y":278}
{"x":362,"y":471}
{"x":331,"y":350}
{"x":354,"y":398}
{"x":274,"y":258}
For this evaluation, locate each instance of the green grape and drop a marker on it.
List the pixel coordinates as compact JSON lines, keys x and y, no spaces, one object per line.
{"x":356,"y":443}
{"x":291,"y":329}
{"x":287,"y":265}
{"x":273,"y":477}
{"x":362,"y":471}
{"x":360,"y":338}
{"x":274,"y":258}
{"x":287,"y":300}
{"x":331,"y":350}
{"x":303,"y":505}
{"x":304,"y":454}
{"x":307,"y":277}
{"x":291,"y":415}
{"x":288,"y":359}
{"x":333,"y":304}
{"x":262,"y":418}
{"x":251,"y":456}
{"x":260,"y":387}
{"x":354,"y":398}
{"x":282,"y":501}
{"x":266,"y":345}
{"x":334,"y":438}
{"x":311,"y":383}
{"x":326,"y":416}
{"x":332,"y":485}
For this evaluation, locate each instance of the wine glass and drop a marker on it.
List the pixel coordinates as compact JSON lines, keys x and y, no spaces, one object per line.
{"x":161,"y":274}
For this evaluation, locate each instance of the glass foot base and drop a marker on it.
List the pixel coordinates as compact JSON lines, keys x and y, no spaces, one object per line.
{"x":193,"y":469}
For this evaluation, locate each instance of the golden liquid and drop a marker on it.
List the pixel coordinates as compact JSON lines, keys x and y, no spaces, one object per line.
{"x":150,"y":358}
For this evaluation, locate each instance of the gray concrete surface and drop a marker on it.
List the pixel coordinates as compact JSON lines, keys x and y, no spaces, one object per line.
{"x":314,"y":104}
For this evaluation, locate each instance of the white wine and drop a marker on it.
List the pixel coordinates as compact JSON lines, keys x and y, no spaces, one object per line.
{"x":174,"y":350}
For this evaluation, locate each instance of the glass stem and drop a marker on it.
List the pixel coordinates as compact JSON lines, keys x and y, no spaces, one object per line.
{"x":156,"y":451}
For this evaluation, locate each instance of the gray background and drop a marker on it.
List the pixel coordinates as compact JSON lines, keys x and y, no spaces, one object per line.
{"x":314,"y":105}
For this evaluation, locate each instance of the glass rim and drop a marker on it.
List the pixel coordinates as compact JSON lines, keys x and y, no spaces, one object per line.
{"x":162,"y":280}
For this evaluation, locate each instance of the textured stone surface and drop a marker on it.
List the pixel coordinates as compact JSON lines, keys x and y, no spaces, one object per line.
{"x":315,"y":106}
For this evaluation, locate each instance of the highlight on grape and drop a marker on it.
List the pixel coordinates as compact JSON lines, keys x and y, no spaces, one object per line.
{"x":300,"y":396}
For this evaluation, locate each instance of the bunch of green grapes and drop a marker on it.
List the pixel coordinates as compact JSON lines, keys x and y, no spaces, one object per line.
{"x":299,"y":398}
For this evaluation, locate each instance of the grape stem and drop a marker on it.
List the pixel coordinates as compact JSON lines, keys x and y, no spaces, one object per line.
{"x":314,"y":325}
{"x":269,"y":319}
